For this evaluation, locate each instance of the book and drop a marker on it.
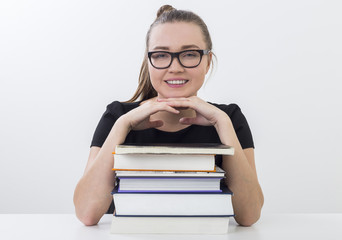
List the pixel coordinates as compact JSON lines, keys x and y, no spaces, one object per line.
{"x":219,"y":172}
{"x":174,"y":148}
{"x":164,"y":162}
{"x":214,"y":204}
{"x":170,"y":225}
{"x":169,"y":184}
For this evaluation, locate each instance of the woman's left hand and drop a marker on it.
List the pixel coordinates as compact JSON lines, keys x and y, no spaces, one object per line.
{"x":206,"y":114}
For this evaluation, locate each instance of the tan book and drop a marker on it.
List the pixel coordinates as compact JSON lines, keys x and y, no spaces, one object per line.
{"x":219,"y":172}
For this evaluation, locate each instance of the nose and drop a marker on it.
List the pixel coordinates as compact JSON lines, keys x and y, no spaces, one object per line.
{"x":176,"y":66}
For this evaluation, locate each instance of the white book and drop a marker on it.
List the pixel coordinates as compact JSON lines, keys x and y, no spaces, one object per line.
{"x":170,"y":225}
{"x":164,"y":162}
{"x":213,"y":204}
{"x":174,"y":148}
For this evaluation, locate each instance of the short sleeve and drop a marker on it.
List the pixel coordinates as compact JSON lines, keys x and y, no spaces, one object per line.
{"x":112,"y":113}
{"x":240,"y":124}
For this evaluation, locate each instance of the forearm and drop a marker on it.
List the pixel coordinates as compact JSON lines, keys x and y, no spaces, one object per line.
{"x":241,"y":177}
{"x":242,"y":180}
{"x":92,"y":194}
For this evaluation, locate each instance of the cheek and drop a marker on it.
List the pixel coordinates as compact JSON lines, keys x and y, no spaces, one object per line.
{"x":200,"y":75}
{"x":152,"y":73}
{"x":155,"y":76}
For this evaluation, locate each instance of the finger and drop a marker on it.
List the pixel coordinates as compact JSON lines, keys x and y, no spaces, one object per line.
{"x":172,"y":109}
{"x":181,"y":108}
{"x":172,"y":99}
{"x":188,"y":121}
{"x":181,"y":104}
{"x":165,"y":107}
{"x":178,"y":103}
{"x":195,"y":121}
{"x":156,"y":124}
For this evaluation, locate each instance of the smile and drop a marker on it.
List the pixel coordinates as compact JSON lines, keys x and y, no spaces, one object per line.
{"x":176,"y":82}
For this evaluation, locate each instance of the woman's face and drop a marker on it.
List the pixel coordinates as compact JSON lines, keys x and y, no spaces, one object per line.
{"x":176,"y":80}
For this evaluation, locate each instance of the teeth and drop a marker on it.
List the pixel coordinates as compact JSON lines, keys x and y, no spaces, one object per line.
{"x":176,"y":82}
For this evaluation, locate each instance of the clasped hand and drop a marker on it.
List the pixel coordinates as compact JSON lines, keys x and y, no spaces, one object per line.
{"x":205,"y":114}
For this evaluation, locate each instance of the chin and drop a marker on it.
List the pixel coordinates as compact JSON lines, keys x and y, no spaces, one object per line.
{"x":178,"y":96}
{"x":173,"y":94}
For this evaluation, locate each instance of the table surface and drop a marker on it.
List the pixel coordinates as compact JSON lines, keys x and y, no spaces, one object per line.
{"x":270,"y":226}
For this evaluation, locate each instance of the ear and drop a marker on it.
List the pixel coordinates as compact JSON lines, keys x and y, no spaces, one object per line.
{"x":210,"y":57}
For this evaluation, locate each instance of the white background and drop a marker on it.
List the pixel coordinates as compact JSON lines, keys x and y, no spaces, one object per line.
{"x":62,"y":62}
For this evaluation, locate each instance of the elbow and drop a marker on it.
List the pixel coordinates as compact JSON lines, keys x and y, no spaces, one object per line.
{"x":247,"y":221}
{"x":86,"y":214}
{"x":88,"y":221}
{"x":88,"y":218}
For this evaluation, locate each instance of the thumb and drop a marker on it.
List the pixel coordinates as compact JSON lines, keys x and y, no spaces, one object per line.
{"x":188,"y":121}
{"x":196,"y":120}
{"x":155,"y":124}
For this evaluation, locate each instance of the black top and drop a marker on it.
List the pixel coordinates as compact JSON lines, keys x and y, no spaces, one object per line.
{"x":191,"y":134}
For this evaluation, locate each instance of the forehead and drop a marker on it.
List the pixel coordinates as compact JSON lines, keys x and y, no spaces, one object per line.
{"x":175,"y":35}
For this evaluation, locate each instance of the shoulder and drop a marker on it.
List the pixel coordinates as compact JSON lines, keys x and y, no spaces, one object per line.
{"x":113,"y":111}
{"x":234,"y":113}
{"x":240,"y":123}
{"x":117,"y":108}
{"x":230,"y":109}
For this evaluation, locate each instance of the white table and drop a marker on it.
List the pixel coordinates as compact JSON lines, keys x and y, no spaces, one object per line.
{"x":67,"y":226}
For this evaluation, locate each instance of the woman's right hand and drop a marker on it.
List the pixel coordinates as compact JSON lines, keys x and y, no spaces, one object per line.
{"x":139,"y":118}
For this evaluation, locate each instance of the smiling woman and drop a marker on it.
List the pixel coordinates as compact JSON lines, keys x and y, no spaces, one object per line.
{"x":182,"y":77}
{"x":177,"y":58}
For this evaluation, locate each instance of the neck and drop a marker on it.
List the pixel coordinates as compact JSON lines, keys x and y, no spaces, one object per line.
{"x":174,"y":118}
{"x":171,"y":121}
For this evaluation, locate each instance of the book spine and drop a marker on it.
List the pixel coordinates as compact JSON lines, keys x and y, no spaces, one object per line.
{"x":169,"y":191}
{"x":190,"y":216}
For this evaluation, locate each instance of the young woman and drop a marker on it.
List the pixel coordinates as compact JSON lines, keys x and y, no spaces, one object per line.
{"x":178,"y":56}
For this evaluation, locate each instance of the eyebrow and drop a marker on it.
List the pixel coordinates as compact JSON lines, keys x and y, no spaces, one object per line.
{"x":182,"y":48}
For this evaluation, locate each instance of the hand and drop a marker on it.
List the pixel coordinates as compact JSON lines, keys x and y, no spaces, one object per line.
{"x":206,"y":114}
{"x":139,"y":118}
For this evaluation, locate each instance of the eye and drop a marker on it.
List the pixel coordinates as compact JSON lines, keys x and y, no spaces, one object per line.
{"x":190,"y":54}
{"x":160,"y":55}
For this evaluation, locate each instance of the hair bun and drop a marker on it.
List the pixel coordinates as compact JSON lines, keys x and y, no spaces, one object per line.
{"x":164,"y":8}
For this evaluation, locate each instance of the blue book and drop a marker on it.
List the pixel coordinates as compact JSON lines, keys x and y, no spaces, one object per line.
{"x":169,"y":184}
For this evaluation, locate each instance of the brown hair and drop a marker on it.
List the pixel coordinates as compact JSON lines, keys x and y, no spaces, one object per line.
{"x":165,"y":14}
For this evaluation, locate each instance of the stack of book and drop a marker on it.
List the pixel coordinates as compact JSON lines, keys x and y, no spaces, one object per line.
{"x":170,"y":188}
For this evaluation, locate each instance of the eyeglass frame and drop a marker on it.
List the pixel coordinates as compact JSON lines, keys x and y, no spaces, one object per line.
{"x":176,"y":54}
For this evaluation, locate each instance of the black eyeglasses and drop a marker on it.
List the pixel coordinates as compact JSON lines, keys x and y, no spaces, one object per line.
{"x":187,"y":58}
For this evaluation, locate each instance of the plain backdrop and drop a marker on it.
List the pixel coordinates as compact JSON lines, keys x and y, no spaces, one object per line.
{"x":62,"y":62}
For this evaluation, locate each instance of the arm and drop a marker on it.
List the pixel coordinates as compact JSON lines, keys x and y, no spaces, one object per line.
{"x":241,"y":178}
{"x":92,"y":194}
